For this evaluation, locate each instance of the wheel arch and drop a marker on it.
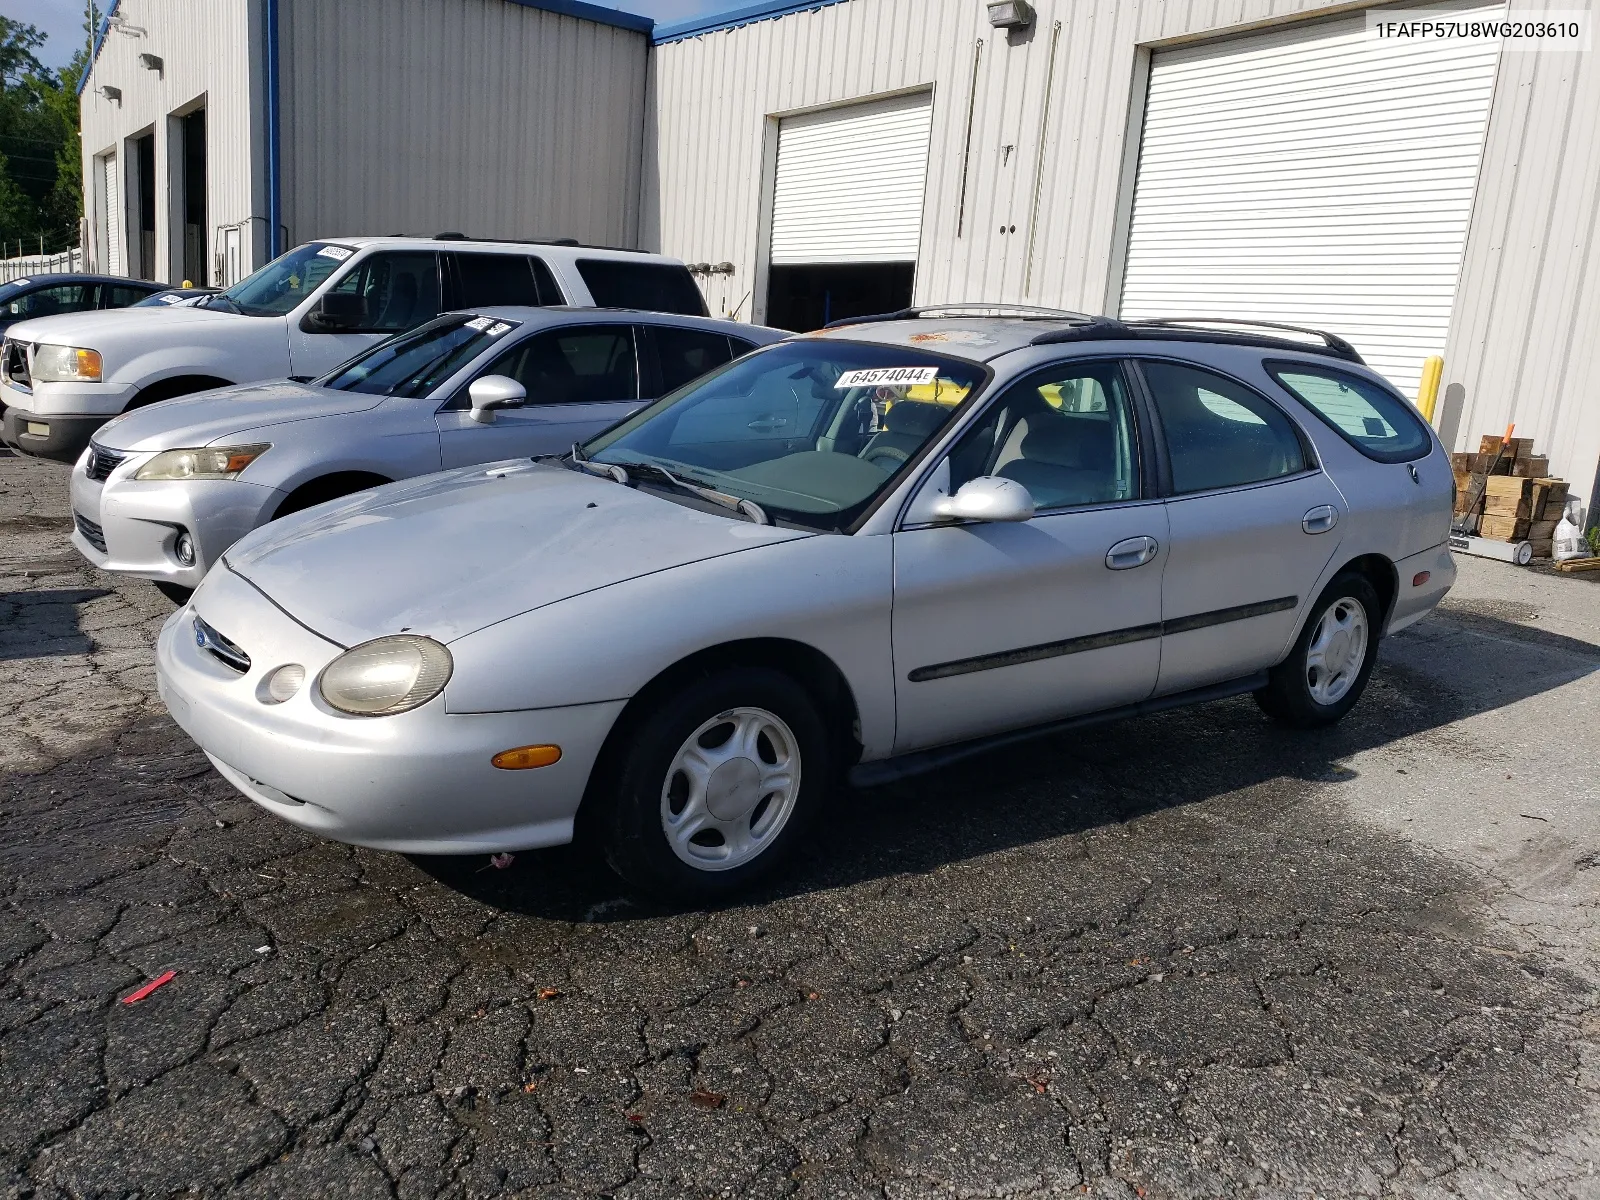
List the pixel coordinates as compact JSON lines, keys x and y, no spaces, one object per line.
{"x":1380,"y":573}
{"x":173,"y":386}
{"x":328,"y":486}
{"x":814,"y":670}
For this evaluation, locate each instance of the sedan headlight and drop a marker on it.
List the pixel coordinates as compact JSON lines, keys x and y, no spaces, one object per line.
{"x":65,"y":364}
{"x":387,"y":675}
{"x":210,"y":462}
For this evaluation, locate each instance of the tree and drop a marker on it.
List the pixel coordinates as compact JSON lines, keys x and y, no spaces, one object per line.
{"x":41,"y":188}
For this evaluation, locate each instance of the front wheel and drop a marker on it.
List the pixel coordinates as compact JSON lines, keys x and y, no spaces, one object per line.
{"x":717,"y":785}
{"x":1326,"y":672}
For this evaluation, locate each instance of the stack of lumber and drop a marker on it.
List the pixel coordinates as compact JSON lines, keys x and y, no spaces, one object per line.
{"x":1509,"y":492}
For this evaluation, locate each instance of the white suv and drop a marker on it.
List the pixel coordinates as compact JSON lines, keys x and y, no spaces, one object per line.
{"x":299,"y":316}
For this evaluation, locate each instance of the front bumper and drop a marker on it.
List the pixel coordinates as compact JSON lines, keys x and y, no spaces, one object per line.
{"x":131,"y":526}
{"x":416,"y":783}
{"x":56,"y":420}
{"x":1416,"y":600}
{"x":57,"y":437}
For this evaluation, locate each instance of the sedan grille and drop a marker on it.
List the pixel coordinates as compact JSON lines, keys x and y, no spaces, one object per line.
{"x":92,"y":533}
{"x":219,"y":647}
{"x":102,"y":462}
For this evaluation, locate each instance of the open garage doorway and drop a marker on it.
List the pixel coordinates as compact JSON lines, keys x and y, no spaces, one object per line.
{"x":847,"y":211}
{"x":188,"y":149}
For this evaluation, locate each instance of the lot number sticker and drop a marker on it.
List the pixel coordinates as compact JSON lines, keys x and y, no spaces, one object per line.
{"x":337,"y":253}
{"x":887,"y":377}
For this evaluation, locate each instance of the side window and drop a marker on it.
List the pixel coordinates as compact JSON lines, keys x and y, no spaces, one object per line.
{"x":549,"y":289}
{"x":653,"y":286}
{"x":399,"y":290}
{"x":116,"y":295}
{"x":1371,"y":418}
{"x":486,"y":279}
{"x":572,"y":366}
{"x":740,"y":347}
{"x":1067,"y":434}
{"x":48,"y":301}
{"x":1220,"y":433}
{"x":685,"y":354}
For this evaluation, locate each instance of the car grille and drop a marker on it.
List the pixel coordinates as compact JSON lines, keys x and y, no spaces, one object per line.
{"x":92,"y":533}
{"x":14,"y":363}
{"x":219,"y":647}
{"x":102,"y":462}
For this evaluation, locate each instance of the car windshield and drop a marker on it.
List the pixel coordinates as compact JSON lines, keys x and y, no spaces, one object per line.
{"x":284,"y":282}
{"x":812,"y":430}
{"x":416,"y":362}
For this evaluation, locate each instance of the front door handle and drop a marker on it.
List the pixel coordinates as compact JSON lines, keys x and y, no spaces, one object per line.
{"x":767,"y":424}
{"x":1320,"y":519}
{"x":1131,"y":552}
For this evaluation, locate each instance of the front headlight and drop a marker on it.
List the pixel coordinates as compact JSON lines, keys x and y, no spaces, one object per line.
{"x":65,"y":364}
{"x":212,"y":462}
{"x":387,"y":675}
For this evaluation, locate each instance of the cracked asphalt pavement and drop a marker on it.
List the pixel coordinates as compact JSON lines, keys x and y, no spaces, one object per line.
{"x":1188,"y":956}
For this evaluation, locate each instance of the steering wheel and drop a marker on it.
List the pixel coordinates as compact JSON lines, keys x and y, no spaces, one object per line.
{"x":895,"y":458}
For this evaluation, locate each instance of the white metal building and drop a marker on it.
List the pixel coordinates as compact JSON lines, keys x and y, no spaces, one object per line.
{"x":217,"y":133}
{"x":819,"y":158}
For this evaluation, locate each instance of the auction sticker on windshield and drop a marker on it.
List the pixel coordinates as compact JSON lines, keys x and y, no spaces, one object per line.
{"x":337,"y":253}
{"x":887,"y":377}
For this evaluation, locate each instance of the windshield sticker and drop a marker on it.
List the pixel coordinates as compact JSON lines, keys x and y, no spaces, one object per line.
{"x":959,"y":337}
{"x":498,"y":328}
{"x":887,"y":377}
{"x":480,"y":323}
{"x":20,"y":282}
{"x":337,"y":253}
{"x":172,"y":299}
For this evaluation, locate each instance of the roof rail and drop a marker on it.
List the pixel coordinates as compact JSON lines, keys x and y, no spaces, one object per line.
{"x":1026,"y":312}
{"x":1202,"y":329}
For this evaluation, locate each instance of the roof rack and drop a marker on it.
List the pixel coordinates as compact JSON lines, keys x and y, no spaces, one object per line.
{"x":1025,"y":312}
{"x":454,"y":236}
{"x":1203,"y":329}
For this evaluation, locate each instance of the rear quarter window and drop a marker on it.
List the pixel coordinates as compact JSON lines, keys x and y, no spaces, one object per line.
{"x":652,"y":286}
{"x":1370,"y":417}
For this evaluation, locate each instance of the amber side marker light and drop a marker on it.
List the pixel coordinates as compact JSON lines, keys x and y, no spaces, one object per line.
{"x":525,"y":758}
{"x":1420,"y":578}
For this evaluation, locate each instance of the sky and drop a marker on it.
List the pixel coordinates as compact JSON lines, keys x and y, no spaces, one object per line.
{"x":62,"y":20}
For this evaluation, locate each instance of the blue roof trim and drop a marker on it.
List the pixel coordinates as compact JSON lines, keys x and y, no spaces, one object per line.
{"x":99,"y":40}
{"x":592,"y":12}
{"x":694,"y":26}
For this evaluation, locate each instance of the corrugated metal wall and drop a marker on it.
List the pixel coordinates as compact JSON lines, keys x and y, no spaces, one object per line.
{"x":1525,"y":342}
{"x":489,"y":118}
{"x":210,"y":50}
{"x":715,"y":96}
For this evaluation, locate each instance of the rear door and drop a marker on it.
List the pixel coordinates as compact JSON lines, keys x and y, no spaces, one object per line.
{"x":1252,"y":522}
{"x":579,"y":379}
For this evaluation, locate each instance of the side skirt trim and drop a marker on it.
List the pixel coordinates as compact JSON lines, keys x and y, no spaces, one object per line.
{"x":888,"y":770}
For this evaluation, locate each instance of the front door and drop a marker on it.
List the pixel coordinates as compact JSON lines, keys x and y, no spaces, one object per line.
{"x":580,"y":380}
{"x":1253,"y":523}
{"x":1001,"y":626}
{"x":399,"y":290}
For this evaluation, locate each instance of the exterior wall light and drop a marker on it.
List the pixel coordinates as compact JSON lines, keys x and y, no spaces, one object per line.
{"x":1010,"y":14}
{"x":113,"y":94}
{"x":151,"y":62}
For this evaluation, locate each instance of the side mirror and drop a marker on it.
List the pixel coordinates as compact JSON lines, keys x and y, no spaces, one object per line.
{"x":492,"y":392}
{"x":338,"y":312}
{"x":987,"y":498}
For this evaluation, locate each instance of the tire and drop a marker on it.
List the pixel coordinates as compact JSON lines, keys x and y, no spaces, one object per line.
{"x":749,"y":811}
{"x":1308,"y":689}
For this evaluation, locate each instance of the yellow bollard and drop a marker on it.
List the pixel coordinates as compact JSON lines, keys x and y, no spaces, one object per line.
{"x":1428,"y":389}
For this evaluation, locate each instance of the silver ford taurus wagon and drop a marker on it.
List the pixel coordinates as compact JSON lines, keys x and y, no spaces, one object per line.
{"x":856,"y":555}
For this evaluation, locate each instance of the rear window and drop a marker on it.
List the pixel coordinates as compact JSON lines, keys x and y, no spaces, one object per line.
{"x":655,"y":287}
{"x":1371,"y":418}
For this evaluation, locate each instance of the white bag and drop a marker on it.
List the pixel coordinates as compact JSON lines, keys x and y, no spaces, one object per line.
{"x":1569,"y":539}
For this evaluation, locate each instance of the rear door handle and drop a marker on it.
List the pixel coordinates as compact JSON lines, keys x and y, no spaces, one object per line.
{"x":1320,"y":519}
{"x":1131,"y":552}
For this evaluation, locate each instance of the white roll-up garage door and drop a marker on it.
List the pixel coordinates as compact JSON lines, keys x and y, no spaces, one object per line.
{"x":113,"y":215}
{"x":850,"y":183}
{"x":1317,"y":176}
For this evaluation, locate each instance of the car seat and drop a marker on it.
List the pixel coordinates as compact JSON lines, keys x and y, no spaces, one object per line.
{"x":906,"y":426}
{"x":1060,"y":458}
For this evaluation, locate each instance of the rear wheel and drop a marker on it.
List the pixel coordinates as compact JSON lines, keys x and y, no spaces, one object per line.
{"x":717,"y":785}
{"x":1326,"y":672}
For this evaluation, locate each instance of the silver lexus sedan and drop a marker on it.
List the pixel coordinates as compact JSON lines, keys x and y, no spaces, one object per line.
{"x":854,"y":555}
{"x":162,"y":491}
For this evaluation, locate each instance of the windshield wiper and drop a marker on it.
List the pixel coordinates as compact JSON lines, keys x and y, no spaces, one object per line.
{"x":222,"y":297}
{"x":656,"y":474}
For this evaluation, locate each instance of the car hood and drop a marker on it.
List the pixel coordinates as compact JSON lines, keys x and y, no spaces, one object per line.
{"x":223,"y":413}
{"x":447,"y":554}
{"x":114,"y":328}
